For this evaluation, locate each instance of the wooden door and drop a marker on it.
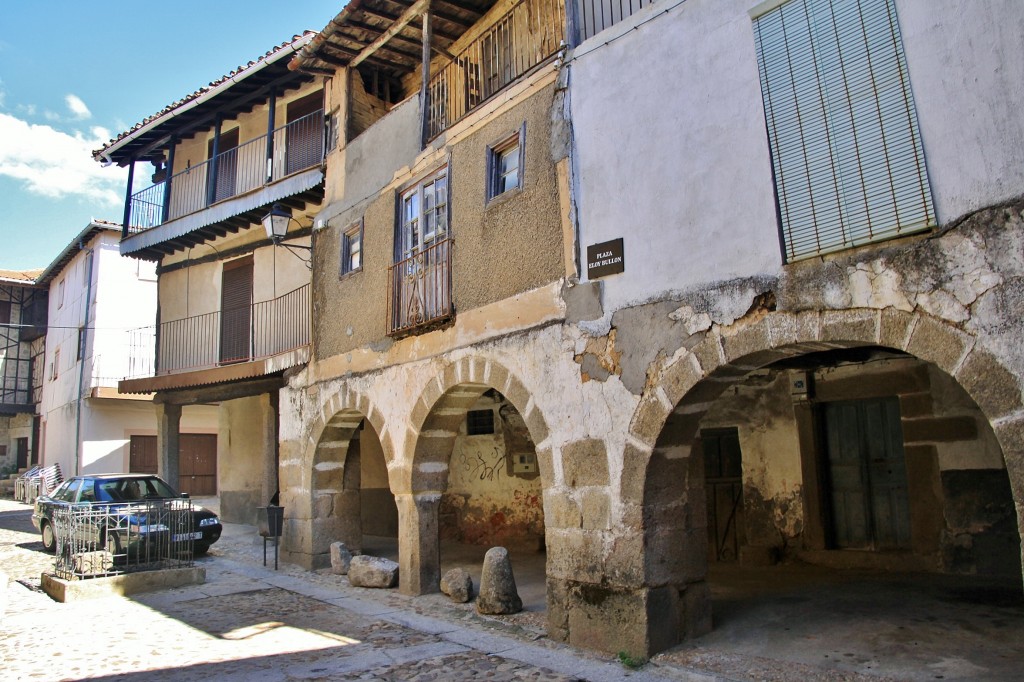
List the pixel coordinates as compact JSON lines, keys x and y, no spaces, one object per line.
{"x":723,"y":479}
{"x":867,"y":474}
{"x":227,"y":164}
{"x":236,"y":311}
{"x":304,"y":133}
{"x":142,"y":455}
{"x":22,"y":451}
{"x":197,"y":465}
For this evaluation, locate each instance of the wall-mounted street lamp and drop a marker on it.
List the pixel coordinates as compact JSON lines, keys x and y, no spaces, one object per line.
{"x":276,"y":225}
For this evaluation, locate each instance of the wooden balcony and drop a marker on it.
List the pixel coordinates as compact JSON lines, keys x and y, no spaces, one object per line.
{"x":529,"y":34}
{"x":257,"y":163}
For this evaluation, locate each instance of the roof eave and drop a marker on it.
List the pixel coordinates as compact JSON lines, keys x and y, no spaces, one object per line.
{"x":105,"y":154}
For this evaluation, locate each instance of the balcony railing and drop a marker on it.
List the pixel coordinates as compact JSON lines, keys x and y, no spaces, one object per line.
{"x":420,"y":289}
{"x":595,"y":16}
{"x":527,"y":35}
{"x":229,"y":336}
{"x":296,"y":146}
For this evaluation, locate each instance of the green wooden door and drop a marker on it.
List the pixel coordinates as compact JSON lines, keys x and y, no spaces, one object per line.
{"x":867,"y":474}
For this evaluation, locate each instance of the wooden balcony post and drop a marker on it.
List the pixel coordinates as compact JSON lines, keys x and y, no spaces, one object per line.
{"x":425,"y":84}
{"x":271,"y":118}
{"x":167,"y":181}
{"x":128,"y":200}
{"x":211,"y":187}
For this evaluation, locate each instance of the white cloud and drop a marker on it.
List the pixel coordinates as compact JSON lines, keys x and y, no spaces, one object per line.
{"x":54,"y":164}
{"x":77,"y":106}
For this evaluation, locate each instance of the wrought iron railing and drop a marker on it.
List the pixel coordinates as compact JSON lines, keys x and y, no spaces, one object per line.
{"x":594,"y":16}
{"x":252,"y":332}
{"x":527,"y":35}
{"x":420,"y":288}
{"x":296,"y":146}
{"x":96,"y":540}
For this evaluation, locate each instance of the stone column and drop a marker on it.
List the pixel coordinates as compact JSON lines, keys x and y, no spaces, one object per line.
{"x":269,"y":421}
{"x":419,"y":546}
{"x":168,"y":423}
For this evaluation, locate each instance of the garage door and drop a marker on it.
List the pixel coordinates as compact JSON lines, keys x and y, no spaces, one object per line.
{"x":197,"y":468}
{"x":197,"y":463}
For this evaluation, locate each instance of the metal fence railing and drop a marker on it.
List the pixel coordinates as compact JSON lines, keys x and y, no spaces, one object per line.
{"x":594,"y":16}
{"x":296,"y":146}
{"x":99,"y":540}
{"x":252,"y":332}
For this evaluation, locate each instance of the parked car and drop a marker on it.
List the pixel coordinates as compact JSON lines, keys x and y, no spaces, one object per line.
{"x":127,"y":506}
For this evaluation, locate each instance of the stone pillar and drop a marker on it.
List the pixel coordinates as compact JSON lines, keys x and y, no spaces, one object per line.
{"x":269,"y":420}
{"x":419,"y":545}
{"x":168,"y":423}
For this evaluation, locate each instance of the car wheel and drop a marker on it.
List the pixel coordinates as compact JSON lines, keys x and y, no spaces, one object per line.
{"x":49,"y":539}
{"x":200,"y":548}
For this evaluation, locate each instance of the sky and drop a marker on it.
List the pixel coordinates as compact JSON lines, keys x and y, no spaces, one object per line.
{"x":76,"y":73}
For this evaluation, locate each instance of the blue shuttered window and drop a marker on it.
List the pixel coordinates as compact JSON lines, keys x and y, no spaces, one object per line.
{"x":846,"y":150}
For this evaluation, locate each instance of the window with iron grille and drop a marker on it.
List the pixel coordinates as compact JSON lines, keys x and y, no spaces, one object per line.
{"x":846,"y":150}
{"x":479,"y":422}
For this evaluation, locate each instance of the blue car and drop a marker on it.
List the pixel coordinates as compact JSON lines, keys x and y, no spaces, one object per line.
{"x":122,"y":513}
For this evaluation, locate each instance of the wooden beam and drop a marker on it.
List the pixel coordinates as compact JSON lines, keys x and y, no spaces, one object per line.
{"x":425,"y":82}
{"x":451,"y":37}
{"x":407,"y":16}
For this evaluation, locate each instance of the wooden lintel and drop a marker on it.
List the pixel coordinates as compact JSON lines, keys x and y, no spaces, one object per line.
{"x":407,"y":16}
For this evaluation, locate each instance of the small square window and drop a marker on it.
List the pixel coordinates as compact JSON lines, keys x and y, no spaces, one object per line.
{"x":479,"y":422}
{"x":504,"y":165}
{"x":352,"y":249}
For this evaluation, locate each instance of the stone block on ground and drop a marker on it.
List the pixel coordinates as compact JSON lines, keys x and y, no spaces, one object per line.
{"x":457,"y":584}
{"x":498,"y":593}
{"x":341,"y":558}
{"x":372,"y":571}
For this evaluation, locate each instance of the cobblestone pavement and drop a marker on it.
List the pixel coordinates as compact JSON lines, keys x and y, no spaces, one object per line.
{"x":248,"y":622}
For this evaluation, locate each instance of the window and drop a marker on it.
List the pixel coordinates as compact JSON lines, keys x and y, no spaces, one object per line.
{"x":5,"y":312}
{"x":352,"y":249}
{"x":479,"y":422}
{"x":424,"y":213}
{"x":55,"y":367}
{"x":80,"y":353}
{"x":504,"y":163}
{"x":60,"y":294}
{"x":846,"y":151}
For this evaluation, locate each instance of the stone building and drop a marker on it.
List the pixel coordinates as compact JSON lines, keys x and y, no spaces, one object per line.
{"x":22,"y":333}
{"x":700,"y":281}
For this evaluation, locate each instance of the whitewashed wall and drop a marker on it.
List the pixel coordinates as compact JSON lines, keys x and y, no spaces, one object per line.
{"x":671,"y":151}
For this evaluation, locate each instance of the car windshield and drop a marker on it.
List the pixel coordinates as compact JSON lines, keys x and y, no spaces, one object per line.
{"x":131,"y":489}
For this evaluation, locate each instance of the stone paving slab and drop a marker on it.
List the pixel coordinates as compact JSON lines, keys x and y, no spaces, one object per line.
{"x":253,"y":623}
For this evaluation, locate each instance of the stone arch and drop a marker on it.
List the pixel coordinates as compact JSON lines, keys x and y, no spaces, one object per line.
{"x":434,"y":425}
{"x":325,"y":492}
{"x":665,"y":424}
